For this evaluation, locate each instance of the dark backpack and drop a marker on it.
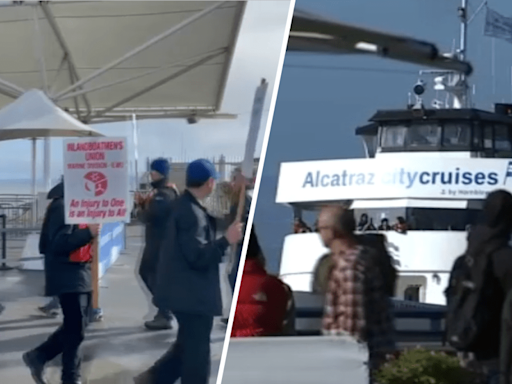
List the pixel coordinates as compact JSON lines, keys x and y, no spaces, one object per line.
{"x":471,"y":288}
{"x":384,"y":261}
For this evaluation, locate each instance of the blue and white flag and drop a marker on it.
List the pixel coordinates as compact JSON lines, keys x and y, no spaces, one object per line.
{"x":498,"y":26}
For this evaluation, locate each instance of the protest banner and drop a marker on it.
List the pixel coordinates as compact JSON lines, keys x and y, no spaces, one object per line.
{"x":96,"y":190}
{"x":96,"y":185}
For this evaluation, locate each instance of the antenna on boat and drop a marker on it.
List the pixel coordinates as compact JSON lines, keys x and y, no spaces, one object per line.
{"x":463,"y":15}
{"x":454,"y":83}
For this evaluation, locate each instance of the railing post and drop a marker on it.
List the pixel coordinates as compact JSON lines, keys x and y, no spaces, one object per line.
{"x":4,"y":266}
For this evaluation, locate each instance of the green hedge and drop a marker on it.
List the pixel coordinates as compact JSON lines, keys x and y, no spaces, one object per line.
{"x":422,"y":366}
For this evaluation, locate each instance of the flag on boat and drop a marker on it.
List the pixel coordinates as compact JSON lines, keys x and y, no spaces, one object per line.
{"x":509,"y":172}
{"x":498,"y":26}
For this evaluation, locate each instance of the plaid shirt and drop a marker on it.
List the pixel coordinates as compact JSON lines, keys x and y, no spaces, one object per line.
{"x":356,"y":302}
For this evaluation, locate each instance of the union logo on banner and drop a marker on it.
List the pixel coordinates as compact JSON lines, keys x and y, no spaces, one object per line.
{"x":96,"y":183}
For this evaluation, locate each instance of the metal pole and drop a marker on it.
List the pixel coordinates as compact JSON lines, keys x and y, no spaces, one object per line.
{"x":463,"y":13}
{"x":136,"y":150}
{"x":144,"y":46}
{"x":34,"y":181}
{"x":4,"y":266}
{"x":12,"y":87}
{"x":39,"y":53}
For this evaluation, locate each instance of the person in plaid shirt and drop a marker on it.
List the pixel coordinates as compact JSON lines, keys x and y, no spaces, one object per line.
{"x":356,"y":301}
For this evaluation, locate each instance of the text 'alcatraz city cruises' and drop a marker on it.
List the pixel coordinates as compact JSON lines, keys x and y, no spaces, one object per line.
{"x":96,"y":180}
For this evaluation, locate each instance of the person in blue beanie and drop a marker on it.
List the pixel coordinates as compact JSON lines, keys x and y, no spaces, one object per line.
{"x":188,"y":280}
{"x":154,"y":213}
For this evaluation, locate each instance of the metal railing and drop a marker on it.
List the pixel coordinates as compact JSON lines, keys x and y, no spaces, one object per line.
{"x":20,"y":211}
{"x":403,"y":310}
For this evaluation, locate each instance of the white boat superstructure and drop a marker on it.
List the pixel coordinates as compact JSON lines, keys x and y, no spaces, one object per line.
{"x":428,"y":168}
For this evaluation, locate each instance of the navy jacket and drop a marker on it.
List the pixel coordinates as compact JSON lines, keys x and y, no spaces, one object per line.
{"x":188,"y":278}
{"x":155,"y":217}
{"x":57,"y":242}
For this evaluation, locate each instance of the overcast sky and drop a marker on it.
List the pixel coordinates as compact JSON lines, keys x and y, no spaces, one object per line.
{"x":257,"y":55}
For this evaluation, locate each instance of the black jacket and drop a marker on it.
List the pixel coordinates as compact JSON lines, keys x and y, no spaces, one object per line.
{"x":155,"y":217}
{"x":57,"y":242}
{"x":188,"y":268}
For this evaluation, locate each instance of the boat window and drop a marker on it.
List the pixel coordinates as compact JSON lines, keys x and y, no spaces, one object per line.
{"x":488,"y":137}
{"x":501,"y":138}
{"x":370,"y":144}
{"x":477,"y":136}
{"x":419,"y":219}
{"x":393,"y":136}
{"x":456,"y":135}
{"x":424,"y":135}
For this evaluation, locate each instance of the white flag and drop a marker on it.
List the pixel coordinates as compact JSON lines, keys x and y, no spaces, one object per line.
{"x":498,"y":26}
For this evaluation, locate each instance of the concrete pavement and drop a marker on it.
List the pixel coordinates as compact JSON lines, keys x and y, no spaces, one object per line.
{"x":115,"y":350}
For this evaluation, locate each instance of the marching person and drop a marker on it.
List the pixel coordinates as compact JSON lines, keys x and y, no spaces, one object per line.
{"x":51,"y":308}
{"x":154,"y":213}
{"x":67,"y":276}
{"x":188,"y":281}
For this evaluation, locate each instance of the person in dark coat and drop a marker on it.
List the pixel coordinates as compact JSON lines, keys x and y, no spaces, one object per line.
{"x":188,"y":281}
{"x":491,"y":239}
{"x":51,"y":308}
{"x":71,"y":281}
{"x":154,"y":213}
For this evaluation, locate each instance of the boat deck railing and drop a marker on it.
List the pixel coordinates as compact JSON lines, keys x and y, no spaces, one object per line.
{"x":414,"y":322}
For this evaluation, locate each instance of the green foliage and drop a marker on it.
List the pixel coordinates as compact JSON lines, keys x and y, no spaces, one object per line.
{"x":421,"y":366}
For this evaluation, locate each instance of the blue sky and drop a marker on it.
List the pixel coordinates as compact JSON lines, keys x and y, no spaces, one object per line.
{"x":256,"y":56}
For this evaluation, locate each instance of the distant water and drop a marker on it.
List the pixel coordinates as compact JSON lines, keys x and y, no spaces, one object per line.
{"x":24,"y":186}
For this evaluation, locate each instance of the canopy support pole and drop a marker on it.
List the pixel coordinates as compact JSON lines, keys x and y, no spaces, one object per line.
{"x":18,"y":91}
{"x":39,"y":48}
{"x":136,"y":150}
{"x":73,"y":73}
{"x":159,"y":83}
{"x":142,"y":47}
{"x":34,"y":182}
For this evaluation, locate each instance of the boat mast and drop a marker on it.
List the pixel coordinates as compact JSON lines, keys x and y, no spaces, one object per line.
{"x":463,"y":15}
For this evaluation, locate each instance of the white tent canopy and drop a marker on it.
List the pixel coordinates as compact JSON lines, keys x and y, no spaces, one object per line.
{"x":33,"y":115}
{"x":103,"y":60}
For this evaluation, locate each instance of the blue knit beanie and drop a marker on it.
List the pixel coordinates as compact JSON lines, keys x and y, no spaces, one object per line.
{"x":200,"y":171}
{"x":162,"y":166}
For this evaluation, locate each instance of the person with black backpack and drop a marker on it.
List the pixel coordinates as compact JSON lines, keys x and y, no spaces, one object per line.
{"x":479,"y":282}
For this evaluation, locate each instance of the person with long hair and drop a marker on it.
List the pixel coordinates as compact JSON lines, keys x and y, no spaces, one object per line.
{"x":265,"y":303}
{"x":357,"y":302}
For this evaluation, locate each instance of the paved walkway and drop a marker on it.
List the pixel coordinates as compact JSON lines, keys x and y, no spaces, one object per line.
{"x":116,"y":349}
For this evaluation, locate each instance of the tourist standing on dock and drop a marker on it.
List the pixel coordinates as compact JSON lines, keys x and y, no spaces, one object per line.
{"x":357,"y":301}
{"x":265,"y":305}
{"x":188,"y":280}
{"x":154,"y":212}
{"x":70,"y":279}
{"x":487,"y":263}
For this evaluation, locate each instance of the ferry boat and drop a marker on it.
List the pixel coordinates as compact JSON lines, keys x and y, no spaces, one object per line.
{"x":429,"y":167}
